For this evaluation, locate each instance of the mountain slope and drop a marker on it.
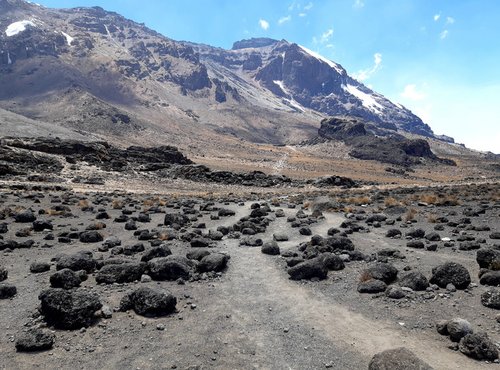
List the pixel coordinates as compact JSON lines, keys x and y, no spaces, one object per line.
{"x":94,"y":71}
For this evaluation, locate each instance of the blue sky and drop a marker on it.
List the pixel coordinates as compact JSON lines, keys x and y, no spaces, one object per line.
{"x":440,"y":58}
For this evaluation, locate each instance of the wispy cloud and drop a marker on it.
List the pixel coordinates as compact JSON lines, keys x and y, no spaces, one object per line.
{"x":326,"y":36}
{"x":365,"y":74}
{"x":282,"y":20}
{"x":302,"y":14}
{"x":308,"y":6}
{"x":443,"y":34}
{"x":450,"y":20}
{"x":293,"y":5}
{"x":436,"y":17}
{"x":358,"y":4}
{"x":263,"y":24}
{"x":411,"y":92}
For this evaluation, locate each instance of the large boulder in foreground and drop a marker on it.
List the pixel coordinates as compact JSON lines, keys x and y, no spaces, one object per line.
{"x":120,"y":273}
{"x":149,"y":302}
{"x":313,"y":268}
{"x":450,"y":273}
{"x":382,"y":271}
{"x":479,"y":347}
{"x":69,"y":309}
{"x":82,"y":260}
{"x":35,"y":340}
{"x":414,"y":280}
{"x":213,"y":262}
{"x":397,"y":359}
{"x":169,"y":268}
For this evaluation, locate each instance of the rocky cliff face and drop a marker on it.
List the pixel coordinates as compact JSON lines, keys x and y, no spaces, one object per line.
{"x":307,"y":80}
{"x":97,"y":72}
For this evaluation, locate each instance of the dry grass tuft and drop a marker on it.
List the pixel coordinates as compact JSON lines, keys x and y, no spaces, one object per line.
{"x":117,"y":204}
{"x":391,"y":202}
{"x":163,"y":236}
{"x":365,"y":276}
{"x":432,"y":218}
{"x":410,"y":214}
{"x":358,"y":201}
{"x":83,"y":203}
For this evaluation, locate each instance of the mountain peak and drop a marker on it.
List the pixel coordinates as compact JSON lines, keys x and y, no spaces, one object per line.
{"x":258,"y":42}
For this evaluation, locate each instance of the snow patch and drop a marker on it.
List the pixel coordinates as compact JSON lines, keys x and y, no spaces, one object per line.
{"x":322,"y":59}
{"x":69,"y":39}
{"x":9,"y":61}
{"x":290,"y":101}
{"x":18,"y":27}
{"x":367,"y":100}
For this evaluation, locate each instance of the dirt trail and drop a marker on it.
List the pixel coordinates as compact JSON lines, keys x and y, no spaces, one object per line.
{"x":255,"y":284}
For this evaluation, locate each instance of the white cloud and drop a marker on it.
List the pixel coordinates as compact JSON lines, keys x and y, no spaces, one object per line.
{"x":443,"y":34}
{"x":308,"y":6}
{"x":293,"y":5}
{"x":282,"y":20}
{"x":436,"y":17}
{"x":326,"y":36}
{"x":450,"y":20}
{"x":410,"y":92}
{"x":358,"y":4}
{"x":263,"y":24}
{"x":302,"y":14}
{"x":365,"y":74}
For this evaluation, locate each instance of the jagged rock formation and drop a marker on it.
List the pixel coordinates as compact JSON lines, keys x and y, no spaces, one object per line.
{"x":365,"y":144}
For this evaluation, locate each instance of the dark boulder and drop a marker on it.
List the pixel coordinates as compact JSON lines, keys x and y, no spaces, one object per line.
{"x":313,"y":268}
{"x":166,"y":268}
{"x":488,"y":258}
{"x":332,"y":262}
{"x":82,"y":260}
{"x":3,"y":273}
{"x":491,"y":278}
{"x":197,"y":254}
{"x":414,"y":280}
{"x":416,"y":233}
{"x":156,"y":252}
{"x":25,"y":217}
{"x":479,"y":347}
{"x":65,"y":279}
{"x":271,"y":248}
{"x":397,"y":359}
{"x":65,"y":309}
{"x":416,"y":244}
{"x":40,"y":225}
{"x":92,"y":236}
{"x":35,"y":340}
{"x":148,"y":302}
{"x":175,"y":220}
{"x":213,"y":262}
{"x":458,"y":328}
{"x":382,"y":271}
{"x":372,"y":286}
{"x":491,"y":299}
{"x":120,"y":273}
{"x":450,"y":273}
{"x":39,"y":267}
{"x":7,"y":290}
{"x":391,"y":233}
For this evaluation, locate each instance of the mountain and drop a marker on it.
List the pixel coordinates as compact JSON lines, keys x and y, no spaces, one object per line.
{"x":101,"y":75}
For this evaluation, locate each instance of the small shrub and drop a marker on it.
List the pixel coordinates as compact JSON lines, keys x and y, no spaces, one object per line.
{"x":391,"y":202}
{"x":365,"y":276}
{"x":432,"y":218}
{"x":410,"y":214}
